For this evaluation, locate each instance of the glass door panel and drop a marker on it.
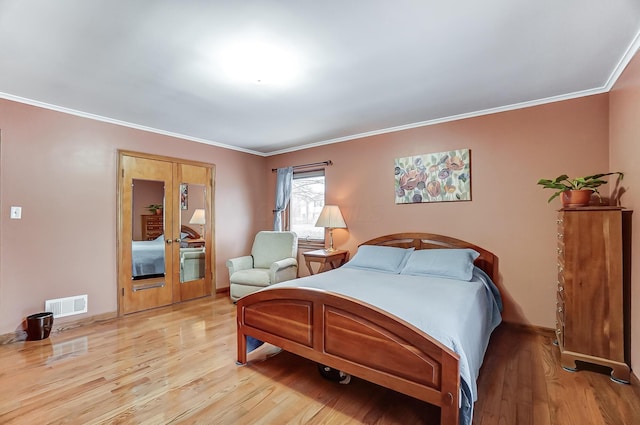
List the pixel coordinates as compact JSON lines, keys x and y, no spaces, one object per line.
{"x":193,"y":221}
{"x":148,"y":242}
{"x":145,"y":271}
{"x":194,"y":257}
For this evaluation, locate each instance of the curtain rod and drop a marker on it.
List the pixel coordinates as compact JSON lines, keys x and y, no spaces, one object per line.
{"x":273,"y":170}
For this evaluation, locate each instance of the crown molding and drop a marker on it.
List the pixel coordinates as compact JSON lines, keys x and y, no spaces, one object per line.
{"x":95,"y":117}
{"x":624,"y":61}
{"x":458,"y":117}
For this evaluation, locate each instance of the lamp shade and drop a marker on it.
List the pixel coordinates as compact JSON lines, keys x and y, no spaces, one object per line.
{"x":198,"y":217}
{"x":331,"y":217}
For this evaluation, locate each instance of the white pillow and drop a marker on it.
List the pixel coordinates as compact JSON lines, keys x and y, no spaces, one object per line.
{"x":380,"y":258}
{"x":449,"y":263}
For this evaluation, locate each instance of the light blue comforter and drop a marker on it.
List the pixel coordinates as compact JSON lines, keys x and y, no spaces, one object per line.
{"x":459,"y":314}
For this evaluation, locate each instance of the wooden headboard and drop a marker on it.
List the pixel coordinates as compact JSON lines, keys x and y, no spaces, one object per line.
{"x":192,"y":233}
{"x":487,"y":261}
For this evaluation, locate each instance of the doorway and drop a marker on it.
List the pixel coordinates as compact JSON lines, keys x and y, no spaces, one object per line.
{"x":165,"y":222}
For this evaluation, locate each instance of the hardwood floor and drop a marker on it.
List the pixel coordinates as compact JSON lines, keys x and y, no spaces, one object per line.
{"x":176,"y":365}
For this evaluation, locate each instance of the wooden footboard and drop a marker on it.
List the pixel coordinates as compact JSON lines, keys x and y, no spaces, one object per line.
{"x":356,"y":338}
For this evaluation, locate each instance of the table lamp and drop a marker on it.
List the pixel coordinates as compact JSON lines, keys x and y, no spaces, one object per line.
{"x":198,"y":218}
{"x":331,"y":218}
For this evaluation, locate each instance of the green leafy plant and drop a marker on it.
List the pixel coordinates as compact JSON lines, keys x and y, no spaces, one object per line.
{"x":563,"y":183}
{"x":154,"y":208}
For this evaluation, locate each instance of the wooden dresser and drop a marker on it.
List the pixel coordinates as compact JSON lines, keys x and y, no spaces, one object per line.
{"x":151,"y":226}
{"x":593,"y":288}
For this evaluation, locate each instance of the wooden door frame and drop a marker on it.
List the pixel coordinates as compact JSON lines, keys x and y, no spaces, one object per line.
{"x":209,"y":229}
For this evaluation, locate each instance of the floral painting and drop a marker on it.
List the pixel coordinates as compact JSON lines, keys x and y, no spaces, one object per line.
{"x":433,"y":177}
{"x":184,"y":196}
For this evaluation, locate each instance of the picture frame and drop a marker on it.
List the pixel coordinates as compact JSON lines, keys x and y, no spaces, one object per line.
{"x":184,"y":196}
{"x":433,"y":177}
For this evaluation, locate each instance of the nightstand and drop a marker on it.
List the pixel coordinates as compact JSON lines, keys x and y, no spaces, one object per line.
{"x":327,"y":260}
{"x":193,"y":243}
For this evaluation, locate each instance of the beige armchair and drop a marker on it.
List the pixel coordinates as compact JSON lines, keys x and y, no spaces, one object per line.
{"x":192,"y":264}
{"x":272,"y":260}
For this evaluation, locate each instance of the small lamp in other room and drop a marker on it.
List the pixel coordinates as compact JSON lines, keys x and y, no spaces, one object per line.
{"x":331,"y":218}
{"x":198,"y":218}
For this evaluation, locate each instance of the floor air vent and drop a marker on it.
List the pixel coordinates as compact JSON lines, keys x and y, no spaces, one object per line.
{"x":69,"y":306}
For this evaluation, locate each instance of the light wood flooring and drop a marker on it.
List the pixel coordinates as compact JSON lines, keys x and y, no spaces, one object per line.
{"x":176,"y":365}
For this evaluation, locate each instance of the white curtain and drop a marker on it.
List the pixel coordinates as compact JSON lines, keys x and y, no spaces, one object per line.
{"x":284,"y":181}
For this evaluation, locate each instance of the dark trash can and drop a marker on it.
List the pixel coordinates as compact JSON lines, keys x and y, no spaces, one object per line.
{"x":39,"y":326}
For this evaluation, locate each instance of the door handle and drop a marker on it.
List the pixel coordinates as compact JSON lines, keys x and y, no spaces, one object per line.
{"x":177,"y":240}
{"x":169,"y":241}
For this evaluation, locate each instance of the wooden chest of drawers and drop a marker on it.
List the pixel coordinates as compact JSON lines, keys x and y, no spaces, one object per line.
{"x":151,"y":226}
{"x":592,"y":296}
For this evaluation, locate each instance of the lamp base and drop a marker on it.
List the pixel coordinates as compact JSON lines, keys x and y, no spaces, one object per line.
{"x":331,"y":248}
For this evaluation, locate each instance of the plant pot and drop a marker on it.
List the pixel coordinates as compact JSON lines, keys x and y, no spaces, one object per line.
{"x":576,"y":198}
{"x":159,"y":212}
{"x":39,"y":326}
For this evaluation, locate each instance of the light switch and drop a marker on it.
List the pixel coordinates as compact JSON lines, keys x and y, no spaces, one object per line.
{"x":16,"y":213}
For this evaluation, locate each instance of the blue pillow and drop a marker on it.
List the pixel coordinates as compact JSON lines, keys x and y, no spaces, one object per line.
{"x":449,"y":263}
{"x":380,"y":258}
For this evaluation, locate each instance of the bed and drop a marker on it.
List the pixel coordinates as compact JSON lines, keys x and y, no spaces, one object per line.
{"x":378,"y":336}
{"x":147,"y":257}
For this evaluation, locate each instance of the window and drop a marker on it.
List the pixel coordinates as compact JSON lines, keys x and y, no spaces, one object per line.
{"x":305,"y":204}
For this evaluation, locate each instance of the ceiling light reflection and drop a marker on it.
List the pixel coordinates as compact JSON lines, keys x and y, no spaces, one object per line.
{"x":259,"y":61}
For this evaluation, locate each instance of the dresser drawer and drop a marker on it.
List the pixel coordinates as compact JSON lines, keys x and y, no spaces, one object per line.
{"x":152,"y":226}
{"x":560,"y":336}
{"x":560,"y":292}
{"x":560,"y":307}
{"x":560,"y":274}
{"x":560,"y":249}
{"x":560,"y":221}
{"x":560,"y":332}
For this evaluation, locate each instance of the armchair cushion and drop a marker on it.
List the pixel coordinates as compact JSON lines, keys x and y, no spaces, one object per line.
{"x":270,"y":246}
{"x":252,"y":277}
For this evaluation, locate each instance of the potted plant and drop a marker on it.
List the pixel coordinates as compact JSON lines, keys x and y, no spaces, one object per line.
{"x":576,"y":192}
{"x":155,"y":208}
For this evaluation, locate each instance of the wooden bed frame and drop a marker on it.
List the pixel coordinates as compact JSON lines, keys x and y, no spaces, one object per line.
{"x":192,"y":234}
{"x":359,"y":339}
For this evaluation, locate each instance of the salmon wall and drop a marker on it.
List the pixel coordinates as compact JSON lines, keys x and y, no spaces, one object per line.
{"x":508,"y":214}
{"x":624,"y":154}
{"x":61,"y":169}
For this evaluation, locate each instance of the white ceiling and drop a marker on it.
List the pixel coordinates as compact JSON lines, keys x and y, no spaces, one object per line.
{"x":356,"y":67}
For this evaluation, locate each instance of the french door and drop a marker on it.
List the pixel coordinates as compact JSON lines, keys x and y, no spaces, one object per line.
{"x":164,"y":231}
